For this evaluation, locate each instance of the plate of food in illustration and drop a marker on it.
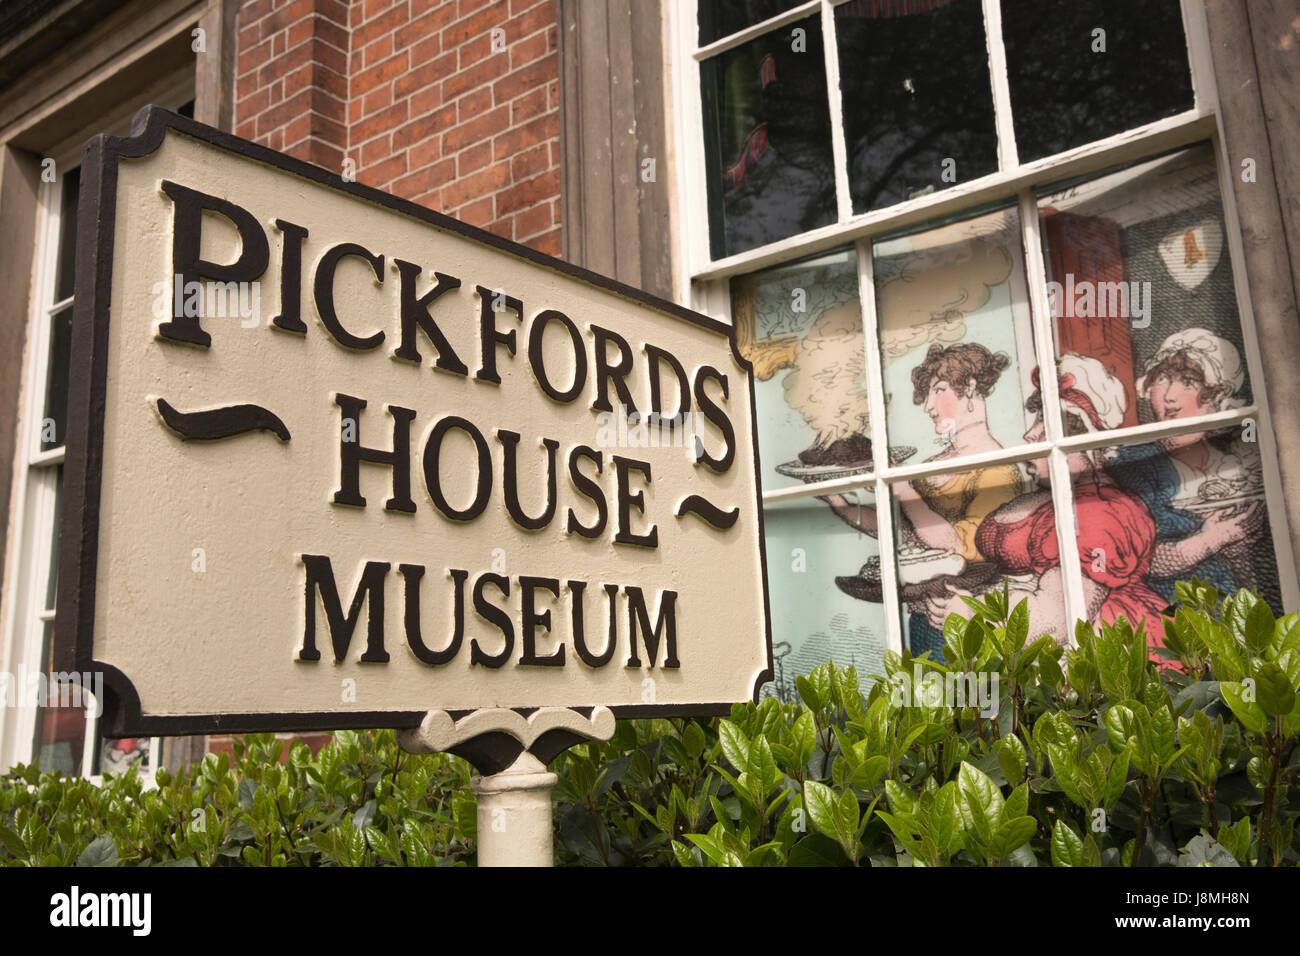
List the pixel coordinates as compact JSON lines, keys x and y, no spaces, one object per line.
{"x":1215,"y":494}
{"x":840,"y":459}
{"x":921,"y":564}
{"x":925,"y":572}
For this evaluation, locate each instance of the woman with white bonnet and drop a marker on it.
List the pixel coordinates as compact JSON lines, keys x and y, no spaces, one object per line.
{"x":1115,"y":534}
{"x":1205,"y":493}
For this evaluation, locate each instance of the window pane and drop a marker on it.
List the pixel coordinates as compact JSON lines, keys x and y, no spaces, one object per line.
{"x":1140,"y":284}
{"x":66,"y":276}
{"x":966,"y":533}
{"x":767,"y":131}
{"x":918,"y":107}
{"x":52,"y":582}
{"x":60,"y":730}
{"x":721,"y":18}
{"x":1202,"y":506}
{"x":801,"y":327}
{"x":54,"y":425}
{"x":118,"y":756}
{"x":957,"y":347}
{"x":819,"y":609}
{"x":1086,"y":69}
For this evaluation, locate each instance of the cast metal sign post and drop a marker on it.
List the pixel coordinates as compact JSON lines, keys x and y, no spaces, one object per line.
{"x":336,"y":460}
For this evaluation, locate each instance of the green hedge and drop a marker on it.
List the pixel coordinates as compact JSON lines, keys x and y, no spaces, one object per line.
{"x":1098,"y":756}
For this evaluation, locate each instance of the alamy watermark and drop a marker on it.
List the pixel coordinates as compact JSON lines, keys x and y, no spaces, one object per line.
{"x":1088,"y":299}
{"x":84,"y":689}
{"x":623,"y":429}
{"x":953,"y":689}
{"x":211,"y":299}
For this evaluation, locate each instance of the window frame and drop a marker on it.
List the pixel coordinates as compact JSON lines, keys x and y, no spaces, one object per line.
{"x":35,"y":471}
{"x":703,"y":282}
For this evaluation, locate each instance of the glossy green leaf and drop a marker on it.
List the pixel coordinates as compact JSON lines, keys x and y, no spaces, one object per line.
{"x":1249,"y":712}
{"x":1273,"y":689}
{"x":1067,"y":845}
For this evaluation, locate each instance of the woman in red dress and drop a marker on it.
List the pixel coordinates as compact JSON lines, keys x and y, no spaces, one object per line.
{"x":1116,"y":534}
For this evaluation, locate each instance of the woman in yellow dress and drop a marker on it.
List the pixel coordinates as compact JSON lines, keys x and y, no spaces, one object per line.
{"x":943,"y":513}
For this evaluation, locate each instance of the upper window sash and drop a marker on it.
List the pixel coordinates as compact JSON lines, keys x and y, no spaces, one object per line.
{"x":1011,"y":178}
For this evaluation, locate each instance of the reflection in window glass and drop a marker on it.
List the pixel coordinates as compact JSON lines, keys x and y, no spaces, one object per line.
{"x":1088,"y":69}
{"x":721,"y":18}
{"x":801,"y":327}
{"x":945,"y":533}
{"x":54,"y":424}
{"x":918,"y":105}
{"x":66,"y":276}
{"x":820,"y":610}
{"x":956,"y":338}
{"x":1204,"y":495}
{"x":52,"y":582}
{"x":1140,"y":279}
{"x":60,"y":730}
{"x":768,"y":139}
{"x":119,"y":756}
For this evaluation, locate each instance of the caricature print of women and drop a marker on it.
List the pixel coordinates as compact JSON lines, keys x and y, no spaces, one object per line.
{"x":943,"y":513}
{"x":1116,"y":534}
{"x":1206,"y":494}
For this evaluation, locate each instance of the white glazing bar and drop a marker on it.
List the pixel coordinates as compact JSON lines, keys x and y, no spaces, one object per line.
{"x":996,"y":456}
{"x":90,"y":744}
{"x":1008,"y":156}
{"x":839,"y":151}
{"x":888,"y":568}
{"x":879,"y":449}
{"x":1154,"y":431}
{"x":1129,"y":146}
{"x":1134,"y":434}
{"x":833,"y":486}
{"x":1058,"y":460}
{"x":741,"y":37}
{"x":44,"y":459}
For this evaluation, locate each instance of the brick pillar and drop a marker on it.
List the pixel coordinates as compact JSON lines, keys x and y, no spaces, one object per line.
{"x":291,"y":81}
{"x":453,"y":104}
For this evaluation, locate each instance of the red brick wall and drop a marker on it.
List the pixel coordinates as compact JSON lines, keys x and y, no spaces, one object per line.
{"x":416,"y":96}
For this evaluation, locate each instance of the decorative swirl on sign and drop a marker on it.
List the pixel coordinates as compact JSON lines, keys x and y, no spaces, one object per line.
{"x":217,"y":423}
{"x":707,"y":511}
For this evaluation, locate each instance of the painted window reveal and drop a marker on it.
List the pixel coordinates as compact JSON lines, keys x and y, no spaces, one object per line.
{"x":819,"y":610}
{"x":918,"y":104}
{"x":956,"y":337}
{"x":1140,"y":279}
{"x":1082,"y":70}
{"x":767,"y":131}
{"x":801,"y":327}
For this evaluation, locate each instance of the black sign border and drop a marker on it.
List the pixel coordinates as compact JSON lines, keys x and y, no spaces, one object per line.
{"x":84,"y":458}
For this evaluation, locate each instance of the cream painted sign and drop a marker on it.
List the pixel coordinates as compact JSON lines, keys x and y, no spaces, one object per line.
{"x":337,"y":460}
